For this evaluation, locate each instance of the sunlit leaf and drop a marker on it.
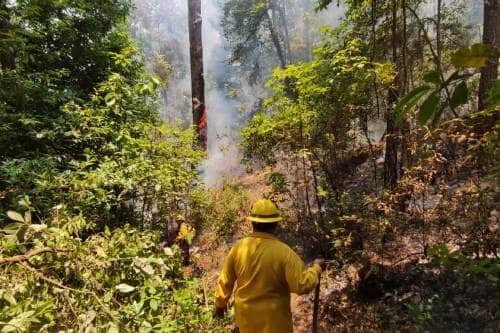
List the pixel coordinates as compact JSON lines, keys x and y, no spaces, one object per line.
{"x":474,"y":57}
{"x":111,"y":102}
{"x":145,"y":327}
{"x":409,"y":101}
{"x":168,"y":251}
{"x":15,"y":216}
{"x":113,"y":328}
{"x":125,"y":288}
{"x":9,"y":297}
{"x":153,"y":303}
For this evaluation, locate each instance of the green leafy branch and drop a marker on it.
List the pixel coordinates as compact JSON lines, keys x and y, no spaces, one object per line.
{"x":432,"y":96}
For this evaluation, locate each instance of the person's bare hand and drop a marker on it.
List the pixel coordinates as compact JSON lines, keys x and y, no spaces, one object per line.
{"x":321,"y":262}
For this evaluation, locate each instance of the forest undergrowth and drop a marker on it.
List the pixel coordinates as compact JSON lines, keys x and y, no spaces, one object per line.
{"x":378,"y":138}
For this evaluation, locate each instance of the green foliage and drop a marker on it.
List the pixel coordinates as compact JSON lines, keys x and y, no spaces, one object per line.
{"x":475,"y":56}
{"x":428,"y":108}
{"x":324,"y":107}
{"x":469,"y":268}
{"x":436,"y":96}
{"x":222,"y":209}
{"x":452,"y":92}
{"x":86,"y":167}
{"x":118,"y":279}
{"x":495,"y":94}
{"x":243,"y":23}
{"x":105,"y":157}
{"x":409,"y":101}
{"x":423,"y":312}
{"x":61,"y":53}
{"x":323,"y":4}
{"x":278,"y":182}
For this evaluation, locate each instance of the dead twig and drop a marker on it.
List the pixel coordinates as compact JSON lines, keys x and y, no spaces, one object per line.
{"x":84,"y":292}
{"x":407,"y":257}
{"x":27,"y":256}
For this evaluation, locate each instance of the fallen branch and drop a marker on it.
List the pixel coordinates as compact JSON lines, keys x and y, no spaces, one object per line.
{"x":406,"y":258}
{"x":27,"y":256}
{"x":85,"y":292}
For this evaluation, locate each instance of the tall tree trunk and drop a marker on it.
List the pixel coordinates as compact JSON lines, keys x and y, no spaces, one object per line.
{"x":7,"y":56}
{"x":438,"y":32}
{"x":284,"y":21}
{"x":274,"y":33}
{"x":391,"y":147}
{"x":307,"y":37}
{"x":491,"y":36}
{"x":404,"y":125}
{"x":197,"y":77}
{"x":307,"y":31}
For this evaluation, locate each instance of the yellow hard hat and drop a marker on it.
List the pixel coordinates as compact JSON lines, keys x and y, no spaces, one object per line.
{"x":264,"y":211}
{"x":180,"y":217}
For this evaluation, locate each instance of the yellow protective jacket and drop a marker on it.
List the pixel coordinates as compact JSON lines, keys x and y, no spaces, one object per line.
{"x":265,"y":271}
{"x":186,"y":232}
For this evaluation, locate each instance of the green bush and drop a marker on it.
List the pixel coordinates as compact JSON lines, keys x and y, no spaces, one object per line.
{"x":222,"y":209}
{"x":115,"y":280}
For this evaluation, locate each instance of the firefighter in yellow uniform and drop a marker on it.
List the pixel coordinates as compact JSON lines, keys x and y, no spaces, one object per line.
{"x":265,"y":272}
{"x":184,"y":238}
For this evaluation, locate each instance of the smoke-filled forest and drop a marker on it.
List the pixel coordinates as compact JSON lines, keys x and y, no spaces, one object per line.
{"x":253,"y":166}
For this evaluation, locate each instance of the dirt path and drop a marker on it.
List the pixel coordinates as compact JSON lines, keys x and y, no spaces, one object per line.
{"x":210,"y":255}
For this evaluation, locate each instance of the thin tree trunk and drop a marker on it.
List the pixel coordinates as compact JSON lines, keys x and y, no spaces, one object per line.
{"x":405,"y":125}
{"x":307,"y":32}
{"x":318,"y":199}
{"x":276,"y":41}
{"x":7,"y":56}
{"x":289,"y":57}
{"x":391,"y":148}
{"x":491,"y":36}
{"x":404,"y":48}
{"x":438,"y":32}
{"x":434,"y":57}
{"x":197,"y":77}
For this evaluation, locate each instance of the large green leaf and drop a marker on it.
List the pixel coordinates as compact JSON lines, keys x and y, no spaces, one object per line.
{"x":15,"y":216}
{"x":474,"y":57}
{"x":124,"y":288}
{"x":456,"y":76}
{"x":428,"y":108}
{"x":460,"y":95}
{"x":494,"y":96}
{"x":409,"y":101}
{"x":432,"y":77}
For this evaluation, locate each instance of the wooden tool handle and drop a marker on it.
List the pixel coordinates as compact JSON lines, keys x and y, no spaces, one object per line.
{"x":316,"y":307}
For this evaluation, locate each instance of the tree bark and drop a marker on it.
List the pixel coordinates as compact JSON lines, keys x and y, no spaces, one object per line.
{"x":391,"y":147}
{"x":491,"y":36}
{"x":197,"y":77}
{"x":274,"y":36}
{"x":438,"y":32}
{"x":404,"y":126}
{"x":307,"y":32}
{"x":7,"y":56}
{"x":282,"y":10}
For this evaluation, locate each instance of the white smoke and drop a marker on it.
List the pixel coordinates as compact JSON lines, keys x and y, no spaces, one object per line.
{"x":222,"y":112}
{"x":161,"y":26}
